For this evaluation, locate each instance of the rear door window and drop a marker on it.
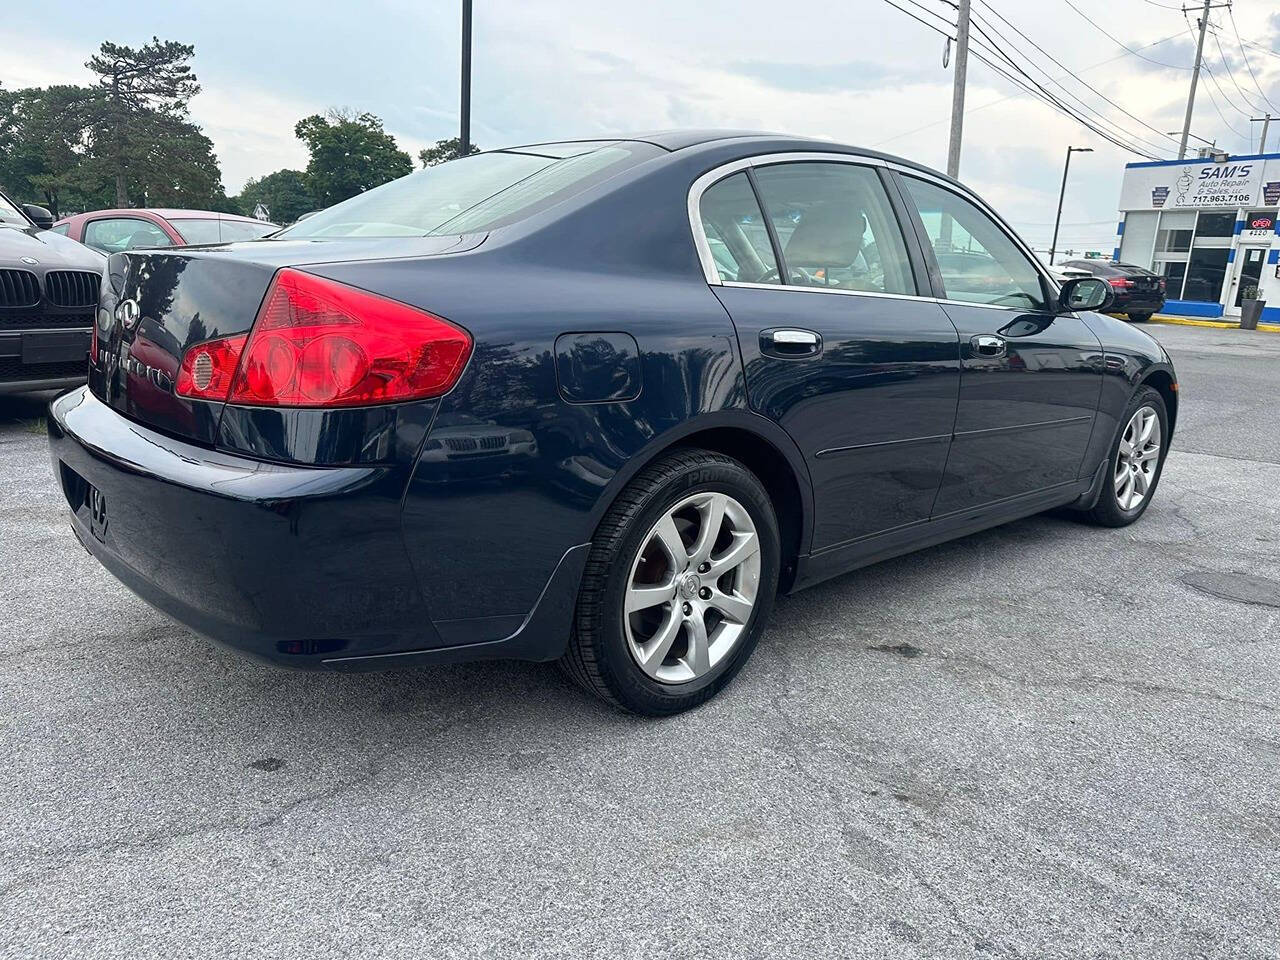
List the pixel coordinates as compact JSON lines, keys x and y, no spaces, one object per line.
{"x":736,"y":233}
{"x":835,"y":227}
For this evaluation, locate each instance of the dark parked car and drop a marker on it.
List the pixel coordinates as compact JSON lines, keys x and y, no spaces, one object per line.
{"x":114,"y":231}
{"x":715,"y":366}
{"x":1139,"y":293}
{"x":48,"y":292}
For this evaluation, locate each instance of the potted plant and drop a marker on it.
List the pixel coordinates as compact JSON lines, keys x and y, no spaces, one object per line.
{"x":1250,"y":307}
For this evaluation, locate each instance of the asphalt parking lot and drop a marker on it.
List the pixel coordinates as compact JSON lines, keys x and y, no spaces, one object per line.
{"x":1047,"y":740}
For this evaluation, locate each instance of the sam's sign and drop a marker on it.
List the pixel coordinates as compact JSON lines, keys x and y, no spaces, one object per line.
{"x":1192,"y":185}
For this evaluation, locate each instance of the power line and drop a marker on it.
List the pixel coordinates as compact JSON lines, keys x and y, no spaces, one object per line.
{"x":1076,"y":78}
{"x":1089,"y":20}
{"x":1030,"y":85}
{"x":1245,"y":56}
{"x":1231,"y":76}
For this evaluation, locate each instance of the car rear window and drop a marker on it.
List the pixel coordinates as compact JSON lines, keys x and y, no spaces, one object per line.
{"x":475,"y":193}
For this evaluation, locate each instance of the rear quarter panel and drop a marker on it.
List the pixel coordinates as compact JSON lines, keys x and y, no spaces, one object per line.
{"x":485,"y":528}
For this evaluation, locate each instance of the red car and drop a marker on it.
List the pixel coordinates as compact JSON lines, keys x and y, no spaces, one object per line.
{"x":112,"y":231}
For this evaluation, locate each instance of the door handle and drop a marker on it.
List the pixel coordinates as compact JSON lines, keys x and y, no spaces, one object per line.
{"x":987,"y":346}
{"x":790,"y":343}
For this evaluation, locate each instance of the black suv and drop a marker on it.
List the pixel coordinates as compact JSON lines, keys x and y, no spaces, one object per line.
{"x":1139,"y":292}
{"x":48,"y":293}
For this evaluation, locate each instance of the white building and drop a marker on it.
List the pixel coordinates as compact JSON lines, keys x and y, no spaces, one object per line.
{"x":1209,"y":227}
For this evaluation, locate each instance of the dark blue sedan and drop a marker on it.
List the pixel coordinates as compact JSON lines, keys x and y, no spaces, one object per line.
{"x":595,"y":402}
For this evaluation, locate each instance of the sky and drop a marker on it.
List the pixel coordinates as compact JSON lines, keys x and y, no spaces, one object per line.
{"x":856,"y":71}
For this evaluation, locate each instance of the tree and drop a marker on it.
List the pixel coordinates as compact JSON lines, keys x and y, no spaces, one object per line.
{"x":142,"y":90}
{"x":442,"y":151}
{"x":284,"y":193}
{"x":350,"y":153}
{"x":44,"y":140}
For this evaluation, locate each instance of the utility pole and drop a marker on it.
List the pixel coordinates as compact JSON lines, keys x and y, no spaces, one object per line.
{"x":957,"y":88}
{"x":464,"y":133}
{"x":1061,"y":195}
{"x":1266,"y":125}
{"x":1195,"y":72}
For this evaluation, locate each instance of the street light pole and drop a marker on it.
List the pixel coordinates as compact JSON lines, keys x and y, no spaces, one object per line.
{"x":1053,"y":247}
{"x":464,"y":132}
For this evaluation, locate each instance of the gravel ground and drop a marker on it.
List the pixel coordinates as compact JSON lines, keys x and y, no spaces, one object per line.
{"x":1046,"y":740}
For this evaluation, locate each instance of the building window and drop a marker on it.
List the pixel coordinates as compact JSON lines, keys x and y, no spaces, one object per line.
{"x":1174,"y":272}
{"x":1216,"y":224}
{"x":1206,"y":270}
{"x":1139,"y":232}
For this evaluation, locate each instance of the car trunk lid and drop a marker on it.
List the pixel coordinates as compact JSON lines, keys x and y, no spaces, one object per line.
{"x":156,"y":305}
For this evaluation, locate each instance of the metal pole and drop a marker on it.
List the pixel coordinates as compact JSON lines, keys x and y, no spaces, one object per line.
{"x":957,"y":89}
{"x":1053,"y":246}
{"x":1266,"y":125}
{"x":464,"y":134}
{"x":1195,"y":78}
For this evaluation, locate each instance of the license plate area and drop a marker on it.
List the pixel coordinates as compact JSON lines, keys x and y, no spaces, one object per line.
{"x":58,"y":347}
{"x":85,"y":500}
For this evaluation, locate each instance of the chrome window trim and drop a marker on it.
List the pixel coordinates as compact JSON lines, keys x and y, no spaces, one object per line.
{"x":715,"y":175}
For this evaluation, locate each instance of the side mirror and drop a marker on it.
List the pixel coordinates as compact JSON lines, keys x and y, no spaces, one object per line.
{"x":41,"y":217}
{"x":1085,"y":293}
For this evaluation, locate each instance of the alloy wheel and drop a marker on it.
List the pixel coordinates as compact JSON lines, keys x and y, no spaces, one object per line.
{"x":1137,"y":459}
{"x":692,"y":587}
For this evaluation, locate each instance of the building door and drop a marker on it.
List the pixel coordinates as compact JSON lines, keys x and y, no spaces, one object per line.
{"x":1245,"y":276}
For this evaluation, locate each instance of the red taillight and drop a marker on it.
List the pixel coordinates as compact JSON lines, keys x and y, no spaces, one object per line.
{"x":208,"y":368}
{"x":320,"y":343}
{"x":1162,"y":284}
{"x":1120,"y":282}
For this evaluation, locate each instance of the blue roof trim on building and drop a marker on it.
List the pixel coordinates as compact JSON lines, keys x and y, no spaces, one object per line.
{"x":1179,"y":163}
{"x":1116,"y":255}
{"x":1238,"y":227}
{"x":1273,"y":256}
{"x":1120,"y":228}
{"x":1231,"y":255}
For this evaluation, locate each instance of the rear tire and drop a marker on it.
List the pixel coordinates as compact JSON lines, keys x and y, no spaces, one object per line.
{"x":1135,"y":462}
{"x":1139,"y":317}
{"x":676,"y":592}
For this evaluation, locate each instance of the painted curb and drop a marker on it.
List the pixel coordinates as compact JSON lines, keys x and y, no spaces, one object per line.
{"x":1213,"y":324}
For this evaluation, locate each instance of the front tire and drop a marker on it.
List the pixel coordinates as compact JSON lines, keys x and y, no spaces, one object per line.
{"x":1136,"y":462}
{"x":678,"y":586}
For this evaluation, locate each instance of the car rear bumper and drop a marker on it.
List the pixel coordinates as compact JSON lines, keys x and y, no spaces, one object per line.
{"x":301,"y":566}
{"x":1138,"y":303}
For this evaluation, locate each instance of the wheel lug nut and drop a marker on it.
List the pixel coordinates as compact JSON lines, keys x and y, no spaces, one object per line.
{"x":688,"y":609}
{"x":705,"y":593}
{"x":704,"y":567}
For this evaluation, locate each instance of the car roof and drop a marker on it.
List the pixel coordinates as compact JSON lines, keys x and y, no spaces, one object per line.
{"x":675,"y":140}
{"x":165,"y":213}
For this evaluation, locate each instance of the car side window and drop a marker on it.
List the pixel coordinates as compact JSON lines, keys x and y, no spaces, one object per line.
{"x":114,"y":234}
{"x":736,"y":232}
{"x":979,"y":261}
{"x":836,"y":227}
{"x":61,"y":229}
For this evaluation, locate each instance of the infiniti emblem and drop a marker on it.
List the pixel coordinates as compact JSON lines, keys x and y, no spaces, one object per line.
{"x":127,"y":313}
